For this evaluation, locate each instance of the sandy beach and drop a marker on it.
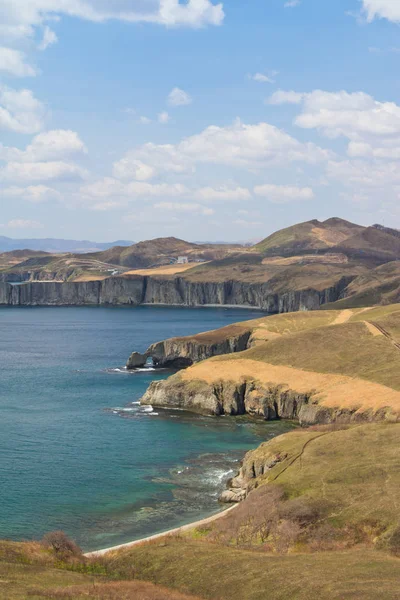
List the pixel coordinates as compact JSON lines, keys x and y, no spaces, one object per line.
{"x":151,"y":538}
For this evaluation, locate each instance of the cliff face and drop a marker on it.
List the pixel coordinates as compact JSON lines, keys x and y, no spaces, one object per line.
{"x":177,"y":291}
{"x":252,"y":398}
{"x":183,"y":352}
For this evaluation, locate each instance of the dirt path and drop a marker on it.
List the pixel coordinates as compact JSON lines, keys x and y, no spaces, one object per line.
{"x":372,"y":328}
{"x":386,"y":333}
{"x":343,"y":317}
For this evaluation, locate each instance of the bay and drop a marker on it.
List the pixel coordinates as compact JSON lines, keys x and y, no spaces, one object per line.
{"x":77,"y":452}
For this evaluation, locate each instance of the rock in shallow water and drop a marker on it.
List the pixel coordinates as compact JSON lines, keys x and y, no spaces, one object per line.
{"x":136,"y":360}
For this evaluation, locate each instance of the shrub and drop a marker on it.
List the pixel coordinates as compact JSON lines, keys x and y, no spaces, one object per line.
{"x":62,"y":546}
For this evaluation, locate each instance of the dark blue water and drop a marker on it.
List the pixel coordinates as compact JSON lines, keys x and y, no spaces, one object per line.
{"x":77,"y":455}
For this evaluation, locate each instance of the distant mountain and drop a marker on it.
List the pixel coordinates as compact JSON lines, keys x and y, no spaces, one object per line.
{"x":160,"y":251}
{"x":311,"y":236}
{"x":55,"y":245}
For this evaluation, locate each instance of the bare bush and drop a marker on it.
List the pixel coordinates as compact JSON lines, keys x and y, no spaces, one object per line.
{"x":303,"y":510}
{"x":286,"y":534}
{"x":61,"y":545}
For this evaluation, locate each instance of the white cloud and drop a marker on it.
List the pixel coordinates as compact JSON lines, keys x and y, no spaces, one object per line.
{"x":20,"y":16}
{"x":127,"y":168}
{"x":282,"y":97}
{"x":23,"y":224}
{"x":112,"y":188}
{"x":348,"y":114}
{"x":384,"y":9}
{"x":12,"y":62}
{"x":291,"y":3}
{"x":33,"y":193}
{"x":163,"y":118}
{"x":184,"y":207}
{"x":49,"y":38}
{"x":262,"y":78}
{"x":20,"y":111}
{"x":41,"y":171}
{"x":144,"y":120}
{"x":222,"y":193}
{"x":251,"y":147}
{"x":283,"y":193}
{"x":178,"y":97}
{"x":372,"y":127}
{"x":53,"y":145}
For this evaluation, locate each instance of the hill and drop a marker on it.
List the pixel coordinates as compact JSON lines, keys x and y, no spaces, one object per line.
{"x":316,"y":367}
{"x":308,"y":237}
{"x":320,"y":520}
{"x":161,"y":251}
{"x":303,"y":267}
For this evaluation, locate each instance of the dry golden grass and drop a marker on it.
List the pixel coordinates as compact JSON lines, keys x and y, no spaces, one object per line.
{"x":164,"y":270}
{"x":90,"y":278}
{"x":330,"y":390}
{"x":126,"y":590}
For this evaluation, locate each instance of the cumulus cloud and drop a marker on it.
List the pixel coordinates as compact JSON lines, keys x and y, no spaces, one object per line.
{"x":144,"y":120}
{"x":282,"y":97}
{"x":262,"y":78}
{"x":52,"y":145}
{"x":41,"y":171}
{"x":13,"y":62}
{"x":20,"y":111}
{"x":20,"y":16}
{"x":110,"y":187}
{"x":281,"y":194}
{"x":33,"y":193}
{"x":384,"y":9}
{"x":178,"y":97}
{"x":127,"y":168}
{"x":292,"y":3}
{"x":373,"y":127}
{"x":251,"y":147}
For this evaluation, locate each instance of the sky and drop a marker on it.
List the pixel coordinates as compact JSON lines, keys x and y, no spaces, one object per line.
{"x":208,"y":121}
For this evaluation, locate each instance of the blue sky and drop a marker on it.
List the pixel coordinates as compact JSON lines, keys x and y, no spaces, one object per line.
{"x":202,"y":120}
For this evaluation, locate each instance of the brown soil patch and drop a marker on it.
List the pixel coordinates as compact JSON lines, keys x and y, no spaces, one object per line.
{"x":331,"y":390}
{"x":329,"y":237}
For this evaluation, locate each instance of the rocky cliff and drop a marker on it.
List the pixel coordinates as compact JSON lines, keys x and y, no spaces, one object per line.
{"x":251,"y":397}
{"x":178,"y":291}
{"x":183,"y":352}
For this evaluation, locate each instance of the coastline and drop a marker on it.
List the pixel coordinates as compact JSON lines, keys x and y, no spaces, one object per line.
{"x":157,"y":536}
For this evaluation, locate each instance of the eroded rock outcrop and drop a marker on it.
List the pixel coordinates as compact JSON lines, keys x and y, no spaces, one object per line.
{"x":180,"y":353}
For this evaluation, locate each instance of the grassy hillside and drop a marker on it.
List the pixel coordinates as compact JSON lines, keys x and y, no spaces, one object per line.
{"x":321,"y":523}
{"x":308,"y":236}
{"x":342,"y":360}
{"x":160,"y":252}
{"x":30,"y":570}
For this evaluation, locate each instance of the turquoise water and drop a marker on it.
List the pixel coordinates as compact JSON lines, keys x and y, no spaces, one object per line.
{"x":77,"y":454}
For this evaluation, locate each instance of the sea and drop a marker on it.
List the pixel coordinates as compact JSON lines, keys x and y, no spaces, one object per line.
{"x":77,"y":451}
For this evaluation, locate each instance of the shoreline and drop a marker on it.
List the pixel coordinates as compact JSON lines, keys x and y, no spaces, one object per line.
{"x":157,"y":536}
